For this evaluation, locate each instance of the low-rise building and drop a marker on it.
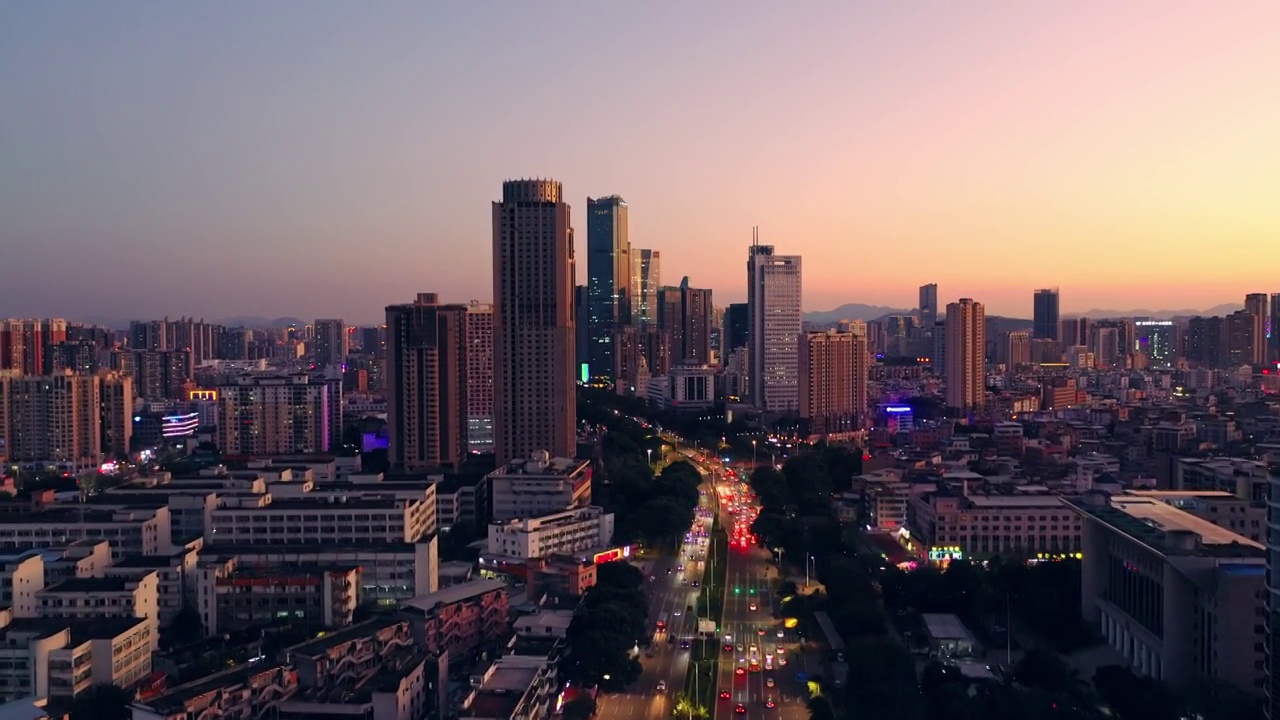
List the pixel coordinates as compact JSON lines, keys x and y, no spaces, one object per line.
{"x":21,"y":577}
{"x":539,"y":486}
{"x":134,"y":595}
{"x":131,"y":531}
{"x":1178,"y":596}
{"x":461,"y":620}
{"x":514,"y":686}
{"x":355,"y":520}
{"x":58,"y":658}
{"x":566,"y":532}
{"x":247,"y":596}
{"x":951,"y":525}
{"x":174,"y":573}
{"x":255,"y":690}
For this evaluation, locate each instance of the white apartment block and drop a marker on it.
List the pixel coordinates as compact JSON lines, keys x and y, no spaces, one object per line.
{"x":568,"y":532}
{"x":107,"y":597}
{"x":539,"y":486}
{"x":57,"y":659}
{"x":131,"y":531}
{"x":174,"y":573}
{"x":953,"y":525}
{"x":263,"y":520}
{"x":21,"y":577}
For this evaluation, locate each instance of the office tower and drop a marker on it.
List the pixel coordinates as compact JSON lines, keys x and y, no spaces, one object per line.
{"x":1273,"y":330}
{"x":1203,"y":341}
{"x":480,"y":377}
{"x":1106,"y":347}
{"x":833,"y":382}
{"x":331,"y":343}
{"x":1045,"y":322}
{"x":426,"y":380}
{"x":51,"y":420}
{"x":1075,"y":331}
{"x":609,"y":272}
{"x":966,"y":327}
{"x":717,"y":335}
{"x":533,"y":322}
{"x":276,"y":414}
{"x":938,"y":349}
{"x":897,"y":331}
{"x":685,"y":313}
{"x":1158,"y":340}
{"x":1240,"y":340}
{"x":773,"y":297}
{"x":1018,"y":349}
{"x":737,"y":320}
{"x":117,"y":413}
{"x":928,"y":308}
{"x":646,"y":278}
{"x":1256,"y":304}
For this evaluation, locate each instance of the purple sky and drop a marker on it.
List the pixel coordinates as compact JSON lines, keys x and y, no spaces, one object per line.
{"x":269,"y":159}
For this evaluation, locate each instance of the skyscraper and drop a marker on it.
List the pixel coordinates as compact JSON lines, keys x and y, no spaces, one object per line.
{"x":966,"y":326}
{"x":609,"y":270}
{"x":1273,"y":330}
{"x":1256,"y":304}
{"x":426,"y":381}
{"x":1240,"y":339}
{"x":928,"y":305}
{"x":1018,"y":349}
{"x":480,"y":377}
{"x":533,"y":322}
{"x":685,"y":313}
{"x":736,"y":323}
{"x":331,"y":343}
{"x":833,"y":382}
{"x":773,"y":298}
{"x":646,"y":278}
{"x":1045,"y":322}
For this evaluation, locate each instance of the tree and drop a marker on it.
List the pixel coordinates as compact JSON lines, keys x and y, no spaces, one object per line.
{"x":102,"y":701}
{"x":581,"y":707}
{"x":820,"y":708}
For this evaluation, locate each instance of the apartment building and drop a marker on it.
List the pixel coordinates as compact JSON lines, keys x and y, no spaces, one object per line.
{"x":273,"y":414}
{"x":951,"y":525}
{"x":237,"y":597}
{"x":1243,"y":477}
{"x":461,"y":620}
{"x":390,"y":573}
{"x":121,"y":596}
{"x":1179,"y":597}
{"x":568,"y":532}
{"x":264,"y":520}
{"x":80,"y":558}
{"x":51,"y":422}
{"x":131,"y":531}
{"x":514,"y":686}
{"x":57,"y":658}
{"x":21,"y":577}
{"x":246,"y":691}
{"x":538,"y":486}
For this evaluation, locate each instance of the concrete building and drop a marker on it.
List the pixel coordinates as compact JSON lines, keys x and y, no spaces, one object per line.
{"x":1242,"y":517}
{"x":646,"y":278}
{"x":966,"y":330}
{"x":51,"y":422}
{"x":254,"y":690}
{"x":569,"y":532}
{"x":1179,"y":597}
{"x":685,"y":388}
{"x":21,"y":577}
{"x":953,"y":525}
{"x":1045,"y":322}
{"x":57,"y":659}
{"x":133,"y":531}
{"x":260,"y":519}
{"x":277,"y":414}
{"x":426,"y":381}
{"x":539,"y":486}
{"x":773,"y":299}
{"x":833,"y":383}
{"x":928,"y":306}
{"x":514,"y":686}
{"x":480,"y":377}
{"x":238,"y":597}
{"x":331,"y":343}
{"x":461,"y":620}
{"x":120,"y":596}
{"x":685,"y":314}
{"x":609,"y":269}
{"x":534,"y":322}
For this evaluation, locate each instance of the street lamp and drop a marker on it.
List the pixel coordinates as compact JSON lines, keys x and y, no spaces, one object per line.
{"x":753,"y":453}
{"x":650,"y":451}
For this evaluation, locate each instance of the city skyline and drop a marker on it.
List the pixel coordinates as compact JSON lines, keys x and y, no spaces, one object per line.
{"x":973,"y":135}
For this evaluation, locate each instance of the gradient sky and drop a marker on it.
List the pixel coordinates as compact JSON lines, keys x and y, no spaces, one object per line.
{"x":326,"y":159}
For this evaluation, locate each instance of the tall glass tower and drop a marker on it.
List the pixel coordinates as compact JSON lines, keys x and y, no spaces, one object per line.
{"x":608,"y":280}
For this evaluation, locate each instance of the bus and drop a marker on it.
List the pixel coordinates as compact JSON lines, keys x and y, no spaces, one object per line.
{"x":835,"y":647}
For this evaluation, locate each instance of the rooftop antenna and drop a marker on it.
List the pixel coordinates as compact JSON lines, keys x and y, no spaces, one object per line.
{"x":755,"y":236}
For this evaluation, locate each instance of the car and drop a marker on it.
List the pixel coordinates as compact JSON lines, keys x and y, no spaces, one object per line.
{"x":755,"y":667}
{"x":684,"y":644}
{"x":768,"y":682}
{"x":740,"y":709}
{"x":781,"y":634}
{"x":739,"y":670}
{"x":778,"y":650}
{"x":752,"y":607}
{"x":728,"y":648}
{"x":724,"y":694}
{"x":769,"y":703}
{"x":696,"y":583}
{"x":676,"y":613}
{"x":662,"y":685}
{"x":740,"y":647}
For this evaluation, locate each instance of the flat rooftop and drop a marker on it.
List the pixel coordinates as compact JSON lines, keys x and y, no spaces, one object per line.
{"x":226,"y":549}
{"x":456,"y":593}
{"x":90,"y":585}
{"x":175,"y":699}
{"x":555,"y":467}
{"x":365,"y":629}
{"x":1014,"y":501}
{"x":943,"y":626}
{"x":1167,"y":518}
{"x":1148,"y":521}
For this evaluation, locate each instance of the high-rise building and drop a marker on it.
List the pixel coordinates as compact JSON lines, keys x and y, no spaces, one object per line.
{"x":1240,"y":338}
{"x":533,"y":322}
{"x":1273,"y":330}
{"x":1045,"y":322}
{"x":609,"y":270}
{"x":685,"y":313}
{"x":426,"y":381}
{"x":1075,"y":331}
{"x":938,"y":349}
{"x":833,"y":382}
{"x":22,"y":346}
{"x":928,"y":305}
{"x":1018,"y":349}
{"x":157,"y":374}
{"x":773,"y":296}
{"x":277,"y":414}
{"x":1256,"y":304}
{"x":1158,"y":340}
{"x":331,"y":343}
{"x":966,"y":327}
{"x":737,"y":321}
{"x":117,"y":413}
{"x":1272,"y":626}
{"x":1106,"y":347}
{"x":1203,"y":341}
{"x":51,"y":420}
{"x":646,"y":278}
{"x":480,"y":377}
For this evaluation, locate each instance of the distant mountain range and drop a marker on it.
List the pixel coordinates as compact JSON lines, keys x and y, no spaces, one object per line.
{"x":858,"y":311}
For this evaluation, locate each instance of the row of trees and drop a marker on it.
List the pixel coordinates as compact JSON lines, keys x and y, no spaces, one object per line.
{"x":608,"y":629}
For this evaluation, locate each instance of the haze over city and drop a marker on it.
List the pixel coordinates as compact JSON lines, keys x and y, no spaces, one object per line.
{"x":250,"y":159}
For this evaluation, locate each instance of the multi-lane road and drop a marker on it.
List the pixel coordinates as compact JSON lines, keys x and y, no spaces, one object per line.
{"x":774,"y":686}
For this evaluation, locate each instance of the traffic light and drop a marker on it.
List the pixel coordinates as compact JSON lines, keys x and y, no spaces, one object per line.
{"x":737,"y":591}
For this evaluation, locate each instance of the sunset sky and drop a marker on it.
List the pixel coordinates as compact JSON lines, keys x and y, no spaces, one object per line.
{"x":326,"y":159}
